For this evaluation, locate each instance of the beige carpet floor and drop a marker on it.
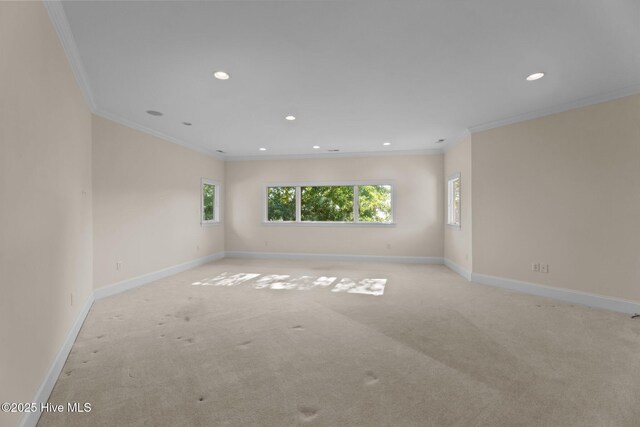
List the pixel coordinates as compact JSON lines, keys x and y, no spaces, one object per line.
{"x":434,"y":350}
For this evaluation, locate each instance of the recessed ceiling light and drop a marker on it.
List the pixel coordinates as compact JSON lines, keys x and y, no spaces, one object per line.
{"x":262,"y":149}
{"x":386,"y":143}
{"x":220,"y":151}
{"x":534,"y":76}
{"x":316,"y":146}
{"x":154,"y":113}
{"x":290,"y":118}
{"x":334,"y":150}
{"x":186,"y":123}
{"x":221,"y":75}
{"x":440,"y":141}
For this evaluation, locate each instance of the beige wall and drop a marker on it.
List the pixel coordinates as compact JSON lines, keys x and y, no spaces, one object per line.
{"x":418,"y":209}
{"x":146,"y":203}
{"x":562,"y":190}
{"x":45,"y":200}
{"x":457,"y":241}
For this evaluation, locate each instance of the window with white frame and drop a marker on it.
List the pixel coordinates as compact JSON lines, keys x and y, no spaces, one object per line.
{"x":358,"y":203}
{"x":453,"y":197}
{"x":210,"y":202}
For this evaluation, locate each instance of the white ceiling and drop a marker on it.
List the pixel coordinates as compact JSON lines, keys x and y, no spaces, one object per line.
{"x":354,"y":73}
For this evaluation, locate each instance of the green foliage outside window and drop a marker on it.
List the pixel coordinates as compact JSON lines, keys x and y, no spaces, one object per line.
{"x":374,"y":203}
{"x":208,"y":197}
{"x":281,"y":202}
{"x":456,"y":201}
{"x":330,"y":203}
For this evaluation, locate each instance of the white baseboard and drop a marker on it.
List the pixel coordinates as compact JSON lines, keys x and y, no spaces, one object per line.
{"x":125,"y":285}
{"x":43,"y":393}
{"x":458,"y":269}
{"x":332,"y":257}
{"x":575,"y":297}
{"x":30,"y":419}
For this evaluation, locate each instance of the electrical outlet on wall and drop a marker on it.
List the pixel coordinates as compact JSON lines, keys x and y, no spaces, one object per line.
{"x":535,"y":266}
{"x":71,"y":299}
{"x":544,"y":268}
{"x":118,"y":265}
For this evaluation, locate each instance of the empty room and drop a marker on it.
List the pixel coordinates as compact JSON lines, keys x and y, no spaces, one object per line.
{"x":320,"y":212}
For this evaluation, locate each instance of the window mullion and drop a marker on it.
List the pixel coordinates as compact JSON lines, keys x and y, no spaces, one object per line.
{"x":356,"y":207}
{"x":298,"y":204}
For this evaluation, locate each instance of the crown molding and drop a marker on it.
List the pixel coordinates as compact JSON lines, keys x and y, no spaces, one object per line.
{"x":583,"y":102}
{"x":456,"y":140}
{"x":59,"y":20}
{"x":144,"y":129}
{"x":426,"y":152}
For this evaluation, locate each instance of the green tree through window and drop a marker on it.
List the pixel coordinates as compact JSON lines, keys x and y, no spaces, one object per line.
{"x":281,"y":202}
{"x":208,"y":198}
{"x":329,"y":203}
{"x":374,"y":203}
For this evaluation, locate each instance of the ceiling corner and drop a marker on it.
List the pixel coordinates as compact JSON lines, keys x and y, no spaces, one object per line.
{"x":61,"y":24}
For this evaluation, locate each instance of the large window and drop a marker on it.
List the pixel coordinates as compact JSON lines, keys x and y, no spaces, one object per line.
{"x":366,"y":203}
{"x":453,"y":198}
{"x":210,"y":202}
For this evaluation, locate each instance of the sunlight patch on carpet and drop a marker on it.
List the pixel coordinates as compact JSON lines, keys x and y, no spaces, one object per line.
{"x":224,"y":280}
{"x":366,"y":286}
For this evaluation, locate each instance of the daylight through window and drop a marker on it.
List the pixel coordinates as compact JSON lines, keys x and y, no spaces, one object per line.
{"x":453,"y":192}
{"x":358,"y":203}
{"x":209,"y":202}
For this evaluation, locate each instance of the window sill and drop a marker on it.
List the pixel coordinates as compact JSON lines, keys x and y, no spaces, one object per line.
{"x":210,"y":223}
{"x":328,"y":224}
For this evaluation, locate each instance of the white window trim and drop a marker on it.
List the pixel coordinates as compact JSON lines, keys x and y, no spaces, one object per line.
{"x":216,"y":202}
{"x":449,"y":191}
{"x":354,"y":223}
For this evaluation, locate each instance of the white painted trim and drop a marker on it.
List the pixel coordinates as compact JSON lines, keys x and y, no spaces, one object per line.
{"x":584,"y":102}
{"x":61,"y":24}
{"x":391,"y":182}
{"x":571,"y":296}
{"x":43,"y":393}
{"x":30,"y":419}
{"x":328,"y":224}
{"x":425,"y":152}
{"x":335,"y":257}
{"x":149,"y":131}
{"x":458,"y":269}
{"x":59,"y":20}
{"x":135,"y":282}
{"x":576,"y":297}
